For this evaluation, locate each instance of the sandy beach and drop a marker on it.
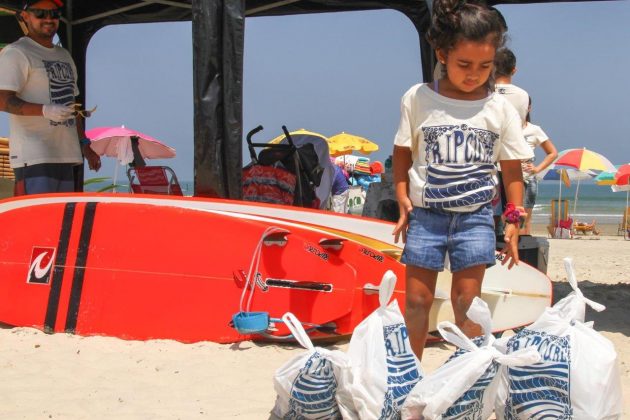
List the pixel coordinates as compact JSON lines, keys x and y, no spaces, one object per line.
{"x":69,"y":377}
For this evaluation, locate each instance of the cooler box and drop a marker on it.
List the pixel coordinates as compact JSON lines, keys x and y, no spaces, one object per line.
{"x":531,"y":249}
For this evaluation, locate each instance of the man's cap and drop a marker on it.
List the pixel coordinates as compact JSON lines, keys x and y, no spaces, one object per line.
{"x":28,"y":3}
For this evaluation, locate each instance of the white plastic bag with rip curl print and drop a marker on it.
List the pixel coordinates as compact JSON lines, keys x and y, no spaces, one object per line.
{"x":465,"y":386}
{"x":578,"y":374}
{"x":384,"y":367}
{"x":312,"y":385}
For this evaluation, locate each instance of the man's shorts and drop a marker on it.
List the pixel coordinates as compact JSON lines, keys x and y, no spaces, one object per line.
{"x":468,"y":238}
{"x":44,"y":178}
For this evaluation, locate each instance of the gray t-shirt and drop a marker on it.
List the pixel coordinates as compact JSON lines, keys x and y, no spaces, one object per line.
{"x":40,"y":75}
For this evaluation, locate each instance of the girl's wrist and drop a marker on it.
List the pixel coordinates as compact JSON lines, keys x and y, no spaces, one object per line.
{"x":514,"y":215}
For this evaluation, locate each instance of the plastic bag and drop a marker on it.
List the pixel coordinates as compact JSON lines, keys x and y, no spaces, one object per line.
{"x":315,"y":384}
{"x":578,"y":375}
{"x":384,"y":367}
{"x":465,"y":386}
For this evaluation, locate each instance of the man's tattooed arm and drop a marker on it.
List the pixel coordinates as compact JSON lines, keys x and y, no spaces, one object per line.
{"x":9,"y":102}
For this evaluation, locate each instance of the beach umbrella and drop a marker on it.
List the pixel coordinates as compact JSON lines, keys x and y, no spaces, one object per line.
{"x":564,"y":175}
{"x":586,"y":161}
{"x":117,"y":142}
{"x":346,"y":143}
{"x":298,"y":133}
{"x":622,"y":176}
{"x":622,"y":183}
{"x":605,"y":177}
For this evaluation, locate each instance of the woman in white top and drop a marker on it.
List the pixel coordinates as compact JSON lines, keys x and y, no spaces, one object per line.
{"x":534,"y":136}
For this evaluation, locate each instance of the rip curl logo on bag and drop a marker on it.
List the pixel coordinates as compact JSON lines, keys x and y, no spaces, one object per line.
{"x":541,"y":390}
{"x":469,"y":405}
{"x":313,"y":391}
{"x":40,"y":266}
{"x":402,"y":371}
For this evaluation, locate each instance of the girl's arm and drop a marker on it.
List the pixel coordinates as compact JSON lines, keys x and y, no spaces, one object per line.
{"x":551,"y":152}
{"x":513,"y":183}
{"x":401,"y":162}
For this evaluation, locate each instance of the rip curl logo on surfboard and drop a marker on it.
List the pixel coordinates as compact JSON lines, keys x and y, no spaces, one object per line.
{"x":40,"y":266}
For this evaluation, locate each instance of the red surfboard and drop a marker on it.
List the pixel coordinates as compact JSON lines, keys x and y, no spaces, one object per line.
{"x":95,"y":265}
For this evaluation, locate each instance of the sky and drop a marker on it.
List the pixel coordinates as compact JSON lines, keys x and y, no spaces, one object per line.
{"x":338,"y":72}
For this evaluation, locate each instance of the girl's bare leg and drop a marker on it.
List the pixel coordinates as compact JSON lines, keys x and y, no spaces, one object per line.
{"x":466,"y":285}
{"x":420,"y":288}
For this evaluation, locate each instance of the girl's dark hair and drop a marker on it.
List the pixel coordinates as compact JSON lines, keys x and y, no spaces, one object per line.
{"x":528,"y":118}
{"x":454,"y":20}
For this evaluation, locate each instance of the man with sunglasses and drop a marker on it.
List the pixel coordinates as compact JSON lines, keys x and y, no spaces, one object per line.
{"x":38,"y":86}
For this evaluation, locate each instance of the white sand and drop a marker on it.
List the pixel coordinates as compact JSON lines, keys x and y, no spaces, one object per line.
{"x":68,"y":377}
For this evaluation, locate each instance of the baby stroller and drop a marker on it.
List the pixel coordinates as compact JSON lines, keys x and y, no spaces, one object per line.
{"x":282,"y":173}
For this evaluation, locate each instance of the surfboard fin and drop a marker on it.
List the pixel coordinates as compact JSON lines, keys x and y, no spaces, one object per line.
{"x":332,"y":244}
{"x":394,"y":253}
{"x":278,"y":238}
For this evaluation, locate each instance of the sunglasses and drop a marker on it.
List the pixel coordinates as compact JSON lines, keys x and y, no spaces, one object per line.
{"x":85,"y":113}
{"x":45,"y":13}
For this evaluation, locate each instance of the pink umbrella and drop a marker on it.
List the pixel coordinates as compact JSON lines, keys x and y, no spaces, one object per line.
{"x":116,"y":142}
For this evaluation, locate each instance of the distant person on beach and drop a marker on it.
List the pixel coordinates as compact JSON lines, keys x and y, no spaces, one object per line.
{"x":534,"y":136}
{"x":504,"y":70}
{"x":340,"y":190}
{"x":451,"y":134}
{"x":38,"y":85}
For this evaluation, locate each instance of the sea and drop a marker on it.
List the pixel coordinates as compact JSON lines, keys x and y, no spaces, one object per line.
{"x":594,"y":202}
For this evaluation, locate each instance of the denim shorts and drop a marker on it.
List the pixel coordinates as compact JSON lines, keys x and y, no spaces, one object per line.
{"x":530,"y":193}
{"x":468,"y":238}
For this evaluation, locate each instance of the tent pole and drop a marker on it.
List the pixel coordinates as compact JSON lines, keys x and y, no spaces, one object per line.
{"x":559,"y":200}
{"x":577,"y":188}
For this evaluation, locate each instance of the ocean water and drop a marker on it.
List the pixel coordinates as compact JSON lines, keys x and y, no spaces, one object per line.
{"x":594,"y":202}
{"x":123,"y":186}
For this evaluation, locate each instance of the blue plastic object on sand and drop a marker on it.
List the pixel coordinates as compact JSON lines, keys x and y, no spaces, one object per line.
{"x":250,"y":322}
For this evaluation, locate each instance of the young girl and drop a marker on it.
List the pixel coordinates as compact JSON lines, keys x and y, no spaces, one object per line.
{"x":451,"y":134}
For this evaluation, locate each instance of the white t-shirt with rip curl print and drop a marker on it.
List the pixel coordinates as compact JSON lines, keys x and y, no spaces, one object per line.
{"x":455,"y":145}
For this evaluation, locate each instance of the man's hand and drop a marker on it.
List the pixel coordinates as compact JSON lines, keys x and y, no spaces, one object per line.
{"x":93,"y":159}
{"x":57,"y":113}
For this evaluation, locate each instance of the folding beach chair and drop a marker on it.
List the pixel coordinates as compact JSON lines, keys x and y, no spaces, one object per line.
{"x":624,"y":226}
{"x":560,"y":224}
{"x":586,"y":228}
{"x":153,"y":180}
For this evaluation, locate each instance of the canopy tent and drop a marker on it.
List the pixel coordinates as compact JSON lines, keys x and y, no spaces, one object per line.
{"x":218,"y":40}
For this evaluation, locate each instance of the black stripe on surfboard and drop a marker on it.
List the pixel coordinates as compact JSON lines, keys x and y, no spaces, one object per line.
{"x":79,"y":268}
{"x":58,"y":270}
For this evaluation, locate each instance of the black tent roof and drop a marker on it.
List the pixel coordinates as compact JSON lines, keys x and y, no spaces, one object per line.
{"x":218,"y":41}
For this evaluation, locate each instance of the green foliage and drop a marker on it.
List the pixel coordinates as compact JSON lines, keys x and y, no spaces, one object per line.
{"x":93,"y":187}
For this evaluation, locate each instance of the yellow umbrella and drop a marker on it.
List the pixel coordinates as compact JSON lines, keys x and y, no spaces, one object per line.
{"x":301,"y":131}
{"x":345,"y":143}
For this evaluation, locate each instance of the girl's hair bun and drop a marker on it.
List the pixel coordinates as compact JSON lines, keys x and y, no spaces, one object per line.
{"x":453,"y":20}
